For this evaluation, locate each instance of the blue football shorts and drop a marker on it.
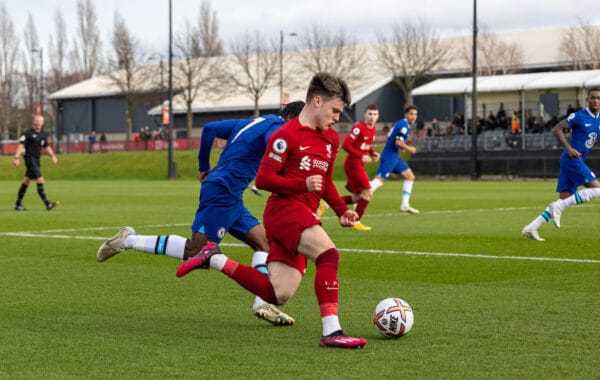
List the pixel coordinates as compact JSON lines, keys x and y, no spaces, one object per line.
{"x":220,"y":212}
{"x":573,"y":173}
{"x":389,"y":165}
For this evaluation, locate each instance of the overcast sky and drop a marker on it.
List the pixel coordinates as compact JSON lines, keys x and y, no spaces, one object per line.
{"x":148,"y":19}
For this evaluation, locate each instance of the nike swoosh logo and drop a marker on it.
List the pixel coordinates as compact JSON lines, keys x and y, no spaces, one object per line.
{"x":304,"y":147}
{"x":588,"y":125}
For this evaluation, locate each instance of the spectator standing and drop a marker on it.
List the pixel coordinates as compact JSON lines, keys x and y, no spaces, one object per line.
{"x":551,"y":122}
{"x":538,"y":126}
{"x":492,"y":122}
{"x":501,"y":117}
{"x":515,"y":123}
{"x":91,"y":141}
{"x":458,"y":123}
{"x":433,"y":129}
{"x":420,"y":127}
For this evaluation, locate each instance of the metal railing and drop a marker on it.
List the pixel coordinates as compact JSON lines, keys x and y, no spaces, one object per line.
{"x":489,"y":141}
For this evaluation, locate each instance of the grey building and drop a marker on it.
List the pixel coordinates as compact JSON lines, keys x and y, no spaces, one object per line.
{"x":97,"y":104}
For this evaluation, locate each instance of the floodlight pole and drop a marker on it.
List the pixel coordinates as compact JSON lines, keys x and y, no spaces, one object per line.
{"x":41,"y":87}
{"x":42,"y":80}
{"x":475,"y":164}
{"x":281,"y":35}
{"x":280,"y":68}
{"x":172,"y":168}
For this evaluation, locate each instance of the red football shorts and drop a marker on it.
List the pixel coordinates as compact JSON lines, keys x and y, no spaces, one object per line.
{"x":358,"y":180}
{"x":284,"y":223}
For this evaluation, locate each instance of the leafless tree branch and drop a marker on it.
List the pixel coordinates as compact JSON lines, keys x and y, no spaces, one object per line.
{"x":209,"y":42}
{"x":338,"y":53}
{"x":9,"y":48}
{"x":86,"y":55}
{"x":493,"y":55}
{"x":259,"y":67}
{"x":30,"y":64}
{"x":129,"y":75}
{"x":579,"y":46}
{"x":410,"y":53}
{"x":195,"y":72}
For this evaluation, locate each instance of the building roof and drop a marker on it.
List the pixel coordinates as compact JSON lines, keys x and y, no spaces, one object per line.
{"x":564,"y":79}
{"x":540,"y":48}
{"x":513,"y":82}
{"x":93,"y":87}
{"x":108,"y":84}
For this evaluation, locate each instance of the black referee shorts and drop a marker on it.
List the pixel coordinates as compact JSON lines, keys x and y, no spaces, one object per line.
{"x":33,"y":167}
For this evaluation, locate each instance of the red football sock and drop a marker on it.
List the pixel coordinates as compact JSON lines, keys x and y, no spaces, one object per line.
{"x":361,"y":206}
{"x":326,"y":282}
{"x":347,"y":199}
{"x":252,"y":280}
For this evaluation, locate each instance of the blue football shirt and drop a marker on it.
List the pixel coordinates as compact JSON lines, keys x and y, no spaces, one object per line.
{"x":246,"y":144}
{"x":585,"y":130}
{"x":400,"y":131}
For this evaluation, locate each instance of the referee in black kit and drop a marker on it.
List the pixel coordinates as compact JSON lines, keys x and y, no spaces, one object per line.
{"x":32,"y":142}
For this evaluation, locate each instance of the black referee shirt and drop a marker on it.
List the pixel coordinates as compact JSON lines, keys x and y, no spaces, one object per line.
{"x":34,"y":141}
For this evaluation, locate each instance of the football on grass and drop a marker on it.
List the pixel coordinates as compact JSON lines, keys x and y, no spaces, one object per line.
{"x":393,"y":317}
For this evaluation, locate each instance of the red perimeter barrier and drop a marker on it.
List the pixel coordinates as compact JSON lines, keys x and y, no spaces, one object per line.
{"x":124,"y":146}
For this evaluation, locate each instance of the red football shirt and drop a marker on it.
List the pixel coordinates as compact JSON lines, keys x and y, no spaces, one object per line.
{"x":295,"y":152}
{"x":359,"y":141}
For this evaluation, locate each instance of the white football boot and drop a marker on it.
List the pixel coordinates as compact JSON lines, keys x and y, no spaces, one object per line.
{"x":114,"y":245}
{"x":409,"y":210}
{"x":532,"y":234}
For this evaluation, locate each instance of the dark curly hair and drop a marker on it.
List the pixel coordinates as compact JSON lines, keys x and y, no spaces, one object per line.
{"x":292,"y":110}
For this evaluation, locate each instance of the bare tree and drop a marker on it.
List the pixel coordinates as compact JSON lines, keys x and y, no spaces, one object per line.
{"x":30,"y":64}
{"x":86,"y":54}
{"x":57,"y":52}
{"x":511,"y":58}
{"x":259,"y":66}
{"x":209,"y":42}
{"x":128,"y":75}
{"x":337,"y":53}
{"x":9,"y":48}
{"x":493,"y":55}
{"x":411,"y":53}
{"x":579,"y":46}
{"x":194,"y":71}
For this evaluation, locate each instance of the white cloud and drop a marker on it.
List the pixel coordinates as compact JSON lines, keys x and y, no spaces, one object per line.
{"x":148,"y":19}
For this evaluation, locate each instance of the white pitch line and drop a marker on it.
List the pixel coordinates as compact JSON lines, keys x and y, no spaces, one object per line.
{"x":352,"y":250}
{"x":471,"y":255}
{"x":459,"y":211}
{"x":109,"y":228}
{"x":34,"y":235}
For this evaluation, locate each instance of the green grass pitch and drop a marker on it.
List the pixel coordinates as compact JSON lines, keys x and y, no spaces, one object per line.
{"x":487,"y":302}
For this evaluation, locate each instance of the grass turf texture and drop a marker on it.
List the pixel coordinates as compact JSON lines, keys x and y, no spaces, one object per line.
{"x":63,"y":315}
